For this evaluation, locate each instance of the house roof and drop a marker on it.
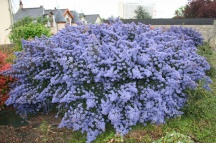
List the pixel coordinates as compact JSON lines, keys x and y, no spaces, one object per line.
{"x":59,"y":16}
{"x":40,"y":11}
{"x":76,"y":16}
{"x":81,"y":15}
{"x":54,"y":11}
{"x":31,"y":12}
{"x":92,"y":18}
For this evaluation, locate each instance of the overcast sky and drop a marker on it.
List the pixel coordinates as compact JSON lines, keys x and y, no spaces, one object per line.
{"x":106,"y":8}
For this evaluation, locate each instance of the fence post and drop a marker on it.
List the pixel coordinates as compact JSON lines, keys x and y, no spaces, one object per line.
{"x":213,"y":45}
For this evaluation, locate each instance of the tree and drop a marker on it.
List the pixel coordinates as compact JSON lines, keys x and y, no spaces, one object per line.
{"x":199,"y":9}
{"x":27,"y":20}
{"x":179,"y":12}
{"x":28,"y":28}
{"x":141,"y":13}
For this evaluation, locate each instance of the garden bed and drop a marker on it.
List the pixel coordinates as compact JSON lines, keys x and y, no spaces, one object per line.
{"x":37,"y":129}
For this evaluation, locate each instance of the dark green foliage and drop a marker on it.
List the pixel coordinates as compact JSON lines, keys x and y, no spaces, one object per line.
{"x":194,"y":108}
{"x":27,"y":20}
{"x":197,"y":9}
{"x":206,"y":51}
{"x":141,"y":13}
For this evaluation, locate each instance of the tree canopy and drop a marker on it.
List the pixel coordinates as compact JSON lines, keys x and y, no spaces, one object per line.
{"x":197,"y":9}
{"x":141,"y":13}
{"x":179,"y":12}
{"x":28,"y":28}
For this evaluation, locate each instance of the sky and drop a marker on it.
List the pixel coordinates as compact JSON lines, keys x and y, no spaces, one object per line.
{"x":106,"y":8}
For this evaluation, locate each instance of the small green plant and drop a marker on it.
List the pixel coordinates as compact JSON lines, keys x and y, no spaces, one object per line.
{"x":77,"y":137}
{"x":194,"y":107}
{"x":146,"y":138}
{"x":44,"y":127}
{"x":114,"y":138}
{"x":174,"y":137}
{"x":44,"y":130}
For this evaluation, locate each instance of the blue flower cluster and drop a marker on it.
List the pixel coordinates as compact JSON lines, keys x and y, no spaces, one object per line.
{"x":119,"y":73}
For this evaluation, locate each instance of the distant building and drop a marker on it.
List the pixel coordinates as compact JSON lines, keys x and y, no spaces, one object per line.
{"x":126,"y":9}
{"x":82,"y":17}
{"x":93,"y":18}
{"x":58,"y":18}
{"x":6,"y":21}
{"x":90,"y":18}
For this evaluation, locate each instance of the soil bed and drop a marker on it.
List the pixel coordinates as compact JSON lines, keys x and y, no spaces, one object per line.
{"x":37,"y":129}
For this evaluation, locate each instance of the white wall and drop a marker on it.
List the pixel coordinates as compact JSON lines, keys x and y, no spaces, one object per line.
{"x":98,"y":20}
{"x":6,"y":21}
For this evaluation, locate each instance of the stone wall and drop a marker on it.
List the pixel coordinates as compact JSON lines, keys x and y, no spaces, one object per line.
{"x":208,"y":32}
{"x":206,"y":26}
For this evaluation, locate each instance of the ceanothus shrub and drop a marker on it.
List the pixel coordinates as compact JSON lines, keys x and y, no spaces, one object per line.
{"x":115,"y":73}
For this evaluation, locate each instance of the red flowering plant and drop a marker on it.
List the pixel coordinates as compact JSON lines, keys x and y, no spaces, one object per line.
{"x":4,"y":80}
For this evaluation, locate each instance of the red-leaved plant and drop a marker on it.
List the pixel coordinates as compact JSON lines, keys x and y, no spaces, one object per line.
{"x":4,"y":80}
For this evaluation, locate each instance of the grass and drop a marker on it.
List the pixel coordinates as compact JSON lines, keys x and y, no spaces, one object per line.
{"x":198,"y":122}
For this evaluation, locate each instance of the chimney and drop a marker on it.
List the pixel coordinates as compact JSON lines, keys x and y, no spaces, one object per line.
{"x":20,"y":5}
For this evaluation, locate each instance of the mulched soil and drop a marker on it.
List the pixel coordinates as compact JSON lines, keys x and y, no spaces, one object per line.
{"x":40,"y":128}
